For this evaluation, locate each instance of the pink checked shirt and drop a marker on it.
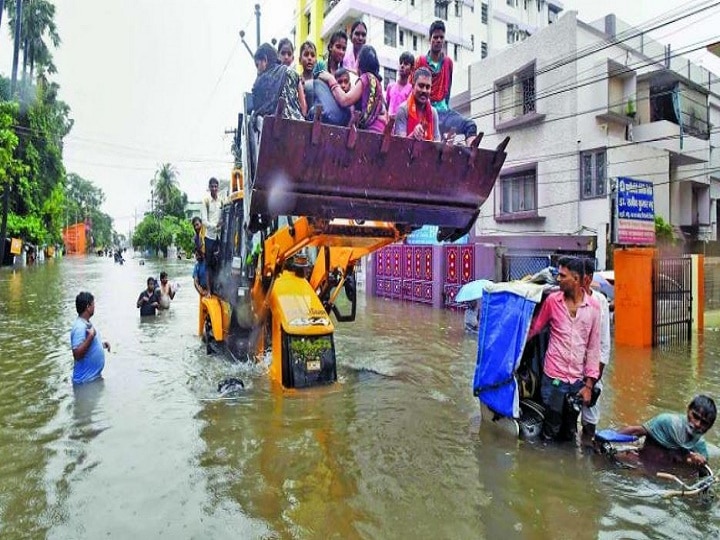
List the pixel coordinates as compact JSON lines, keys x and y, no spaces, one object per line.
{"x":574,"y":349}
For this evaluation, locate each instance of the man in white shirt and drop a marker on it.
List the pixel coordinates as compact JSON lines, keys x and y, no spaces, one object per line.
{"x":591,"y":415}
{"x":211,"y":215}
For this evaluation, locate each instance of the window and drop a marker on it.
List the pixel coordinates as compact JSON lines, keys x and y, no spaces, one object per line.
{"x":389,"y":75}
{"x":552,"y":14}
{"x":510,"y":3}
{"x":519,"y":192}
{"x":441,"y":9}
{"x":458,"y":8}
{"x":401,"y":38}
{"x":593,"y":174}
{"x":307,"y":23}
{"x":484,"y":13}
{"x":515,"y":96}
{"x":390,"y":34}
{"x":415,"y":43}
{"x":472,"y":42}
{"x":455,"y":52}
{"x":511,"y":33}
{"x":412,"y":2}
{"x":483,"y":49}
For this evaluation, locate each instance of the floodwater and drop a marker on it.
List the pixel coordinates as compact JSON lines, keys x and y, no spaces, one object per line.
{"x":394,"y":450}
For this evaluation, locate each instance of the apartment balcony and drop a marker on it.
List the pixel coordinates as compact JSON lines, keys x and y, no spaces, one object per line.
{"x":685,"y":147}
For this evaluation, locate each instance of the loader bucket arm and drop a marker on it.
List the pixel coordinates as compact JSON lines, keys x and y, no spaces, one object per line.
{"x":324,"y":171}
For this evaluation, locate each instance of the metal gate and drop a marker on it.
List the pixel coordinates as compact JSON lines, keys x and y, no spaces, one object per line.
{"x":519,"y":266}
{"x":672,"y":300}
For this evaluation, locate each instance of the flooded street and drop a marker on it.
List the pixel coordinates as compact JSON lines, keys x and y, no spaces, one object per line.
{"x":393,"y":450}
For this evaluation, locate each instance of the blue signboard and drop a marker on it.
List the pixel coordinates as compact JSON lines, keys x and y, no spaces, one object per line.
{"x":427,"y":234}
{"x":635,"y":199}
{"x":635,"y":212}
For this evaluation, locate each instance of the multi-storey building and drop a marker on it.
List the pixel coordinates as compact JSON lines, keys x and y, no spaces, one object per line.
{"x":474,"y":28}
{"x":586,"y":104}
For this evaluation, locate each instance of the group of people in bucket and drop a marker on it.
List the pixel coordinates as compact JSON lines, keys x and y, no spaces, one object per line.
{"x":348,"y":78}
{"x":578,"y":320}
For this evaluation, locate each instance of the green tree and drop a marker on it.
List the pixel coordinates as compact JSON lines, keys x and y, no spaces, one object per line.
{"x":84,"y":200}
{"x":157,"y":233}
{"x":10,"y":167}
{"x":168,"y":199}
{"x":38,"y":28}
{"x":663,"y":232}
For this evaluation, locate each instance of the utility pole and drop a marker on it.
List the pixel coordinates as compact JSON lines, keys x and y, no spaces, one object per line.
{"x":13,"y":82}
{"x":257,"y":24}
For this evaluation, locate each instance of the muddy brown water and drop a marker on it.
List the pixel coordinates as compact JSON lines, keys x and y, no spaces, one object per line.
{"x":393,"y":450}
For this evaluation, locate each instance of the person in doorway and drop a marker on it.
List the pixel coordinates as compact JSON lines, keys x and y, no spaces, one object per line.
{"x":591,"y":414}
{"x":399,"y":91}
{"x":166,"y":291}
{"x":416,"y":118}
{"x":87,"y":348}
{"x":677,"y":438}
{"x":211,"y":215}
{"x":200,"y":275}
{"x":358,"y":36}
{"x":571,"y":365}
{"x":441,"y":67}
{"x":148,"y":301}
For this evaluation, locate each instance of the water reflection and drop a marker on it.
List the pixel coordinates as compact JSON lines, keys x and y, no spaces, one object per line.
{"x":86,"y":399}
{"x":387,"y":452}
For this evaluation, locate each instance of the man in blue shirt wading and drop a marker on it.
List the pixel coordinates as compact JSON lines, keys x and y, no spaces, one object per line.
{"x":85,"y":342}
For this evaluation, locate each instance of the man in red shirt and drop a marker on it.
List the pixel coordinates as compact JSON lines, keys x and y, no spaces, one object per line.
{"x":441,"y":68}
{"x":572,"y":361}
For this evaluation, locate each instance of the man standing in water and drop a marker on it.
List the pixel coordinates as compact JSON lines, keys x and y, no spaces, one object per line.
{"x":85,"y":342}
{"x":591,"y":415}
{"x":148,"y":300}
{"x":167,"y":291}
{"x":572,"y":360}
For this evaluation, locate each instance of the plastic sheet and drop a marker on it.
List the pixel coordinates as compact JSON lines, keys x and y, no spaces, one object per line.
{"x":504,"y":325}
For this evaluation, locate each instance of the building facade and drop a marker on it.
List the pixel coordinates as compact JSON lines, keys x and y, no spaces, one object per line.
{"x":586,"y":104}
{"x":474,"y":28}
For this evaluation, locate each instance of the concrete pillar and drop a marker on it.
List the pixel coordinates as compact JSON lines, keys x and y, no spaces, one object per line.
{"x":698,"y":292}
{"x":634,"y":296}
{"x":438,"y":272}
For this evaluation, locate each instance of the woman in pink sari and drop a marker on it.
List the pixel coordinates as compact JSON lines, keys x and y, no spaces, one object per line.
{"x":366,"y":95}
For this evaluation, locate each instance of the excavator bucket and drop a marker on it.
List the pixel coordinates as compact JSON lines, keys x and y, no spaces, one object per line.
{"x":324,"y":171}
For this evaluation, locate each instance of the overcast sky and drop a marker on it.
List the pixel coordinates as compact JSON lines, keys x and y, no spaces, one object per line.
{"x":155,"y":81}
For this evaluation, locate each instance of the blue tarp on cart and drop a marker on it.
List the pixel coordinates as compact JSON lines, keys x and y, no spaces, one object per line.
{"x":506,"y":314}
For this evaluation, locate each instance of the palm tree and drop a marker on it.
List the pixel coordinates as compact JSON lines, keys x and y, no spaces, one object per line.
{"x":165,"y":185}
{"x":38,"y":24}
